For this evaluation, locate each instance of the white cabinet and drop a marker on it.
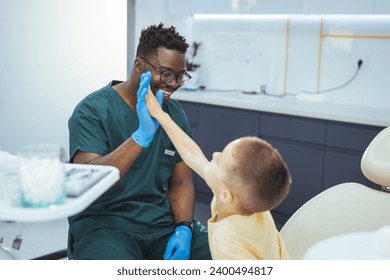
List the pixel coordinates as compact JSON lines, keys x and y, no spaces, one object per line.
{"x":190,"y":7}
{"x":382,"y":7}
{"x":340,"y":7}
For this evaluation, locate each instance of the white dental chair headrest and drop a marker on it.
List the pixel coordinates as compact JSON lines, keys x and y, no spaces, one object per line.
{"x":375,"y":163}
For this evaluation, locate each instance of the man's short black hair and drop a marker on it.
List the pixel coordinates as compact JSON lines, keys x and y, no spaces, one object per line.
{"x":158,"y":36}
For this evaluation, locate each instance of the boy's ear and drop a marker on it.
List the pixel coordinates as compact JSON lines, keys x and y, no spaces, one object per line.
{"x":226,"y":196}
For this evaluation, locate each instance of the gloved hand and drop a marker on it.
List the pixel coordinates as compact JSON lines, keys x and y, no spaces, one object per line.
{"x":179,"y":245}
{"x":148,"y":126}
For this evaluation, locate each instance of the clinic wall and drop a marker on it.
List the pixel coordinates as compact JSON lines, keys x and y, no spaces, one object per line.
{"x":291,"y":54}
{"x":312,"y":45}
{"x":148,"y":12}
{"x":53,"y":53}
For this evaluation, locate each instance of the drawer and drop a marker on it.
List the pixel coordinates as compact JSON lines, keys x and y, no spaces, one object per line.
{"x":350,"y":136}
{"x":293,"y":128}
{"x":343,"y":167}
{"x":191,"y":110}
{"x":305,"y":165}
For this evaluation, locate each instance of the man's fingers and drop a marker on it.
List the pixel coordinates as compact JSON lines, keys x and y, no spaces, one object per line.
{"x":145,"y":81}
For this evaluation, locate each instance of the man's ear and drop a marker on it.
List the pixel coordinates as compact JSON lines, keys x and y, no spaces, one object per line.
{"x":138,"y":66}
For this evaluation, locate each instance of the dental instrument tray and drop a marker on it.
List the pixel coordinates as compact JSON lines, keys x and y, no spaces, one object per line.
{"x":84,"y":184}
{"x":80,"y":179}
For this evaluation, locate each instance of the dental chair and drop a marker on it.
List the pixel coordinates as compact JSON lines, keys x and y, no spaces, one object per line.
{"x":347,"y":207}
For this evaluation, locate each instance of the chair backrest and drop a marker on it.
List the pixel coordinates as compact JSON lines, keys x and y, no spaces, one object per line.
{"x":343,"y":208}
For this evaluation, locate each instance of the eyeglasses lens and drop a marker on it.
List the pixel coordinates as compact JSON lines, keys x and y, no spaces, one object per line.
{"x":168,"y":76}
{"x":182,"y":79}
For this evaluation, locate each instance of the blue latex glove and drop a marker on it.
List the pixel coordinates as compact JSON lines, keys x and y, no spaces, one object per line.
{"x":148,"y":126}
{"x":179,"y":245}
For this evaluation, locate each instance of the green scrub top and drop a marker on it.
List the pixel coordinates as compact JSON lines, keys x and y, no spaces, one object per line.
{"x":139,"y":201}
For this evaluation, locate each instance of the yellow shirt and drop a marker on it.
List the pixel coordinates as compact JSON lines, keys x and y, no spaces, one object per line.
{"x":240,"y":237}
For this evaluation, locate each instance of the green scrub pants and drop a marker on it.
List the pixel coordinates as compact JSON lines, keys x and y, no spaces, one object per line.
{"x":119,"y":244}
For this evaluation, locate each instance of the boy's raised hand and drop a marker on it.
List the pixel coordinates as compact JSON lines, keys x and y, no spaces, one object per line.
{"x":154,"y":103}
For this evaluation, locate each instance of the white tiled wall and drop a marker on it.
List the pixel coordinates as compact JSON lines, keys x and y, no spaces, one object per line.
{"x":188,"y":7}
{"x":233,"y":57}
{"x":370,"y":41}
{"x":288,"y":54}
{"x":284,"y":50}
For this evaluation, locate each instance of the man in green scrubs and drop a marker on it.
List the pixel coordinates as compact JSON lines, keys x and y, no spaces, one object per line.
{"x":148,"y":213}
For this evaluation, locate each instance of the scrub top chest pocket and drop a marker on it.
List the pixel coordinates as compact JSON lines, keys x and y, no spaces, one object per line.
{"x":167,"y":159}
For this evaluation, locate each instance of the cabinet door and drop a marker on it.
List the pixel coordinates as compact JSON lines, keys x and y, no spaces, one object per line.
{"x":346,"y":136}
{"x":305,"y":165}
{"x":192,"y":112}
{"x":293,"y":128}
{"x":300,"y":142}
{"x":220,"y":125}
{"x":345,"y":145}
{"x":341,"y":167}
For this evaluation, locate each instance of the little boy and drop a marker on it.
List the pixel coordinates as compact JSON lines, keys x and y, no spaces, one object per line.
{"x":248,"y":179}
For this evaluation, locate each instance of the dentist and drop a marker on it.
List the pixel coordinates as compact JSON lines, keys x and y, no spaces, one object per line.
{"x":148,"y":214}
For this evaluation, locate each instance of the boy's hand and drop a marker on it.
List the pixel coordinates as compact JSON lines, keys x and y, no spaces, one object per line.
{"x":154,"y":103}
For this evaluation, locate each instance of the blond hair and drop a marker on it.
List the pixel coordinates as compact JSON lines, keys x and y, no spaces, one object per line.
{"x":259,"y":178}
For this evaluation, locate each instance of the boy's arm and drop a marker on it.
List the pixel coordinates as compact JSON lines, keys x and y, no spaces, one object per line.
{"x":187,"y":148}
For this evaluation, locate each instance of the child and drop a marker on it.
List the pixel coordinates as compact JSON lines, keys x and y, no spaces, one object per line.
{"x":248,"y":178}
